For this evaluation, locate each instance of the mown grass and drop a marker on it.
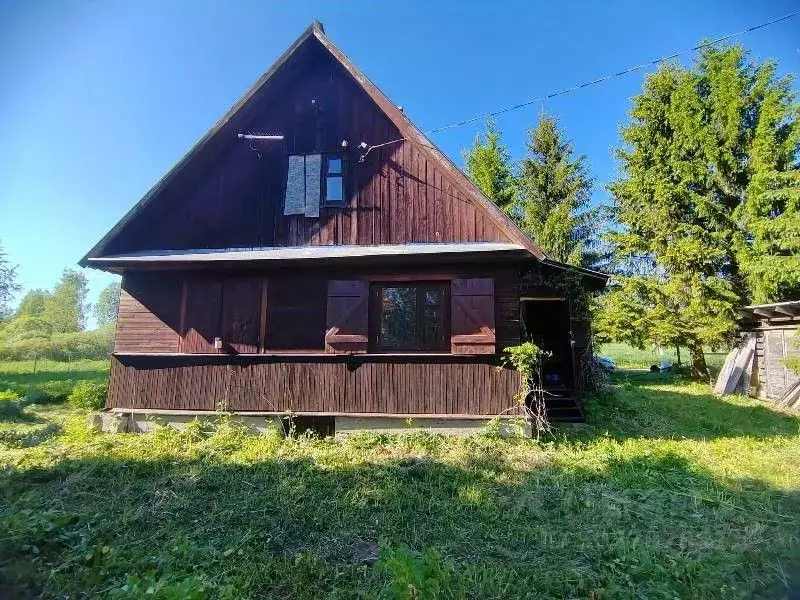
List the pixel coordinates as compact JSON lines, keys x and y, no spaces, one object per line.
{"x":669,"y":493}
{"x":625,"y":355}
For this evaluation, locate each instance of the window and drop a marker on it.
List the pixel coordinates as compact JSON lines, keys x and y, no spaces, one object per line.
{"x":410,"y":317}
{"x":334,"y":180}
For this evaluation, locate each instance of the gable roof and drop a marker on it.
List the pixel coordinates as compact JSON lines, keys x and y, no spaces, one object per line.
{"x":407,"y":129}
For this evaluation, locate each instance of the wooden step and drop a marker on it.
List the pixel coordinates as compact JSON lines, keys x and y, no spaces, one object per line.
{"x":562,"y":406}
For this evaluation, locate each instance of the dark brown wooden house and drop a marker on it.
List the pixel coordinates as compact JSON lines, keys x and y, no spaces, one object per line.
{"x":347,"y":270}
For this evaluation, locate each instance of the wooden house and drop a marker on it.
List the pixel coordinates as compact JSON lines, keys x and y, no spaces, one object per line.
{"x":315,"y":254}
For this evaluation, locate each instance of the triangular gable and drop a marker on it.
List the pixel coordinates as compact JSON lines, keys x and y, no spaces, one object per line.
{"x":227,"y":124}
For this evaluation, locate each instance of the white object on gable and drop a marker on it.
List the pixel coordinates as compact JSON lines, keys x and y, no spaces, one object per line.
{"x":303,"y":185}
{"x":313,"y":171}
{"x":295,"y":200}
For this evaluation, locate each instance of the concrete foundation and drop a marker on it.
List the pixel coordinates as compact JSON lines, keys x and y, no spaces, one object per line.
{"x":143,"y":421}
{"x":398,"y":425}
{"x":139,"y":421}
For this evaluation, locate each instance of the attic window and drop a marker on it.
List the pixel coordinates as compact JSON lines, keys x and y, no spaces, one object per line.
{"x":334,"y":180}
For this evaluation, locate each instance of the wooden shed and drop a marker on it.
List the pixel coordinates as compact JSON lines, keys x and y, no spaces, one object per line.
{"x":774,"y":328}
{"x":315,"y":254}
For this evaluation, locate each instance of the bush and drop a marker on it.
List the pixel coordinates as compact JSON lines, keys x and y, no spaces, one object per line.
{"x":9,"y":395}
{"x":80,"y":345}
{"x":89,"y":395}
{"x":10,"y":409}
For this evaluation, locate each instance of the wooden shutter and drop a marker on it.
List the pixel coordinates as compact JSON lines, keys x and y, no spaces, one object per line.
{"x":347,"y":325}
{"x":472,"y":316}
{"x":201,"y":316}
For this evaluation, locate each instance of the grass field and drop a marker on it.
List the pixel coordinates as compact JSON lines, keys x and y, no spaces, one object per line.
{"x":669,"y":492}
{"x":628,"y":356}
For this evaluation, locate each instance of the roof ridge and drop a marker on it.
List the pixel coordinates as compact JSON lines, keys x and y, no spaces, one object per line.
{"x":409,"y":130}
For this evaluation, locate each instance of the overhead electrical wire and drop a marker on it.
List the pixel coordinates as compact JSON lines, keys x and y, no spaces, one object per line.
{"x":586,"y":84}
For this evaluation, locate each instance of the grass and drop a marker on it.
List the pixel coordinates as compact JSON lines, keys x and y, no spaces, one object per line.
{"x":51,"y":378}
{"x":670,"y":492}
{"x":625,"y":355}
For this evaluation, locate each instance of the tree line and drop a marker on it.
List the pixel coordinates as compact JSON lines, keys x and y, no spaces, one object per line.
{"x":52,"y":323}
{"x":704,"y":217}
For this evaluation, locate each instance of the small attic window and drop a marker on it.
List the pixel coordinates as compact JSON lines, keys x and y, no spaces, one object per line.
{"x":334,"y":180}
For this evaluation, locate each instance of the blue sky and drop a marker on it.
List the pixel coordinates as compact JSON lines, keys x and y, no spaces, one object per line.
{"x":99,"y":99}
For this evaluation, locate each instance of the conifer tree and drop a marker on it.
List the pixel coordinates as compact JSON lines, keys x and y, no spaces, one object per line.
{"x":489,"y":165}
{"x":768,"y":244}
{"x":707,"y":195}
{"x":555,"y":190}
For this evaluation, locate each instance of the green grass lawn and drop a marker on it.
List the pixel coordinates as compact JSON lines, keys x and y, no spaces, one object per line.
{"x":56,"y":378}
{"x":669,"y":492}
{"x":626,"y":355}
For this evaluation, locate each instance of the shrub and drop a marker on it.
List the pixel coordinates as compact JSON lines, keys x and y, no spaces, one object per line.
{"x":89,"y":395}
{"x":10,"y":409}
{"x":79,"y":345}
{"x":9,"y":395}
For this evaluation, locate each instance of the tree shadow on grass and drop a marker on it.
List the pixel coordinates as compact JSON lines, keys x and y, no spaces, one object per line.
{"x":645,"y":406}
{"x":641,"y":526}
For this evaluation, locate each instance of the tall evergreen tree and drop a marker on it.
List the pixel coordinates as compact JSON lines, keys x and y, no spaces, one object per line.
{"x":555,"y":189}
{"x":768,"y":245}
{"x":704,"y":179}
{"x":105,"y":309}
{"x":66,"y":307}
{"x":489,"y":165}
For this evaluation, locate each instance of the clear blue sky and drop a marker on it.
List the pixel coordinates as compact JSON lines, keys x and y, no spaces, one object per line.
{"x":99,"y":99}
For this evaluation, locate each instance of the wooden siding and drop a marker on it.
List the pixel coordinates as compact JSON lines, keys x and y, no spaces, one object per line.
{"x":292,"y":319}
{"x":155,"y":309}
{"x":149,"y":314}
{"x":233,"y":196}
{"x":327,"y":383}
{"x":773,"y":346}
{"x":201,"y":318}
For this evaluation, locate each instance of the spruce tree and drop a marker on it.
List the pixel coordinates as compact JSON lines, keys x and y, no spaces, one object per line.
{"x":768,"y":244}
{"x":706,"y":204}
{"x":555,"y":190}
{"x":489,"y":165}
{"x":666,"y":206}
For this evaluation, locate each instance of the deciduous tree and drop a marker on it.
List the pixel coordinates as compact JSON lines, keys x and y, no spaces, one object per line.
{"x":32,"y":304}
{"x":66,"y":307}
{"x":8,"y":284}
{"x":105,"y":309}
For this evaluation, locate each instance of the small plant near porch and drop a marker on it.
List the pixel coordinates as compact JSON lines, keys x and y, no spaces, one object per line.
{"x":526,"y":359}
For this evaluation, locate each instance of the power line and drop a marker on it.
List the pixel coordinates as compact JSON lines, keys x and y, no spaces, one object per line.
{"x":586,"y":84}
